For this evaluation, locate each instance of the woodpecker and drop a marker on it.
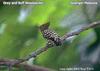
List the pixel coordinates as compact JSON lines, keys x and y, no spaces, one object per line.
{"x":50,"y":35}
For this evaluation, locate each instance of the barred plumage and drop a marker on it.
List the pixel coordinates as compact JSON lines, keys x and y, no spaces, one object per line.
{"x":50,"y":35}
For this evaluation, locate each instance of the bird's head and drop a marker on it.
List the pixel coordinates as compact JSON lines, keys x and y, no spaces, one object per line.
{"x":45,"y":26}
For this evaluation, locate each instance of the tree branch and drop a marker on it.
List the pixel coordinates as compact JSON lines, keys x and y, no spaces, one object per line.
{"x":66,"y":36}
{"x":46,"y":47}
{"x":84,"y":28}
{"x":7,"y":62}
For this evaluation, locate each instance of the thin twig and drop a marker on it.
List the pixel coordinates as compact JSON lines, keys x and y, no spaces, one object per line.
{"x":86,"y":27}
{"x":10,"y":68}
{"x":37,"y":52}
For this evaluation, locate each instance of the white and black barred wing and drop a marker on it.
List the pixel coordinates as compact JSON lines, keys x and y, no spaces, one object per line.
{"x":51,"y":35}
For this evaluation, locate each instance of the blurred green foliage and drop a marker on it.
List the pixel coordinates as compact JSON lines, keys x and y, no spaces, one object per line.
{"x":18,"y":39}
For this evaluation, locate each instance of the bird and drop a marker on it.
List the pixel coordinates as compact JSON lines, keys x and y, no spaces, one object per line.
{"x":50,"y":35}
